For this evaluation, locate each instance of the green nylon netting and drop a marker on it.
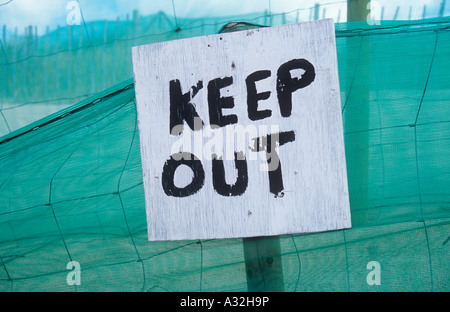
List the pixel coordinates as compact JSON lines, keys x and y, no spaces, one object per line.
{"x":71,"y":186}
{"x":43,"y":74}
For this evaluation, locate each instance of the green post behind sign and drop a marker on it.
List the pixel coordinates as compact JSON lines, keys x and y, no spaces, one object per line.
{"x":262,"y":254}
{"x":357,"y":145}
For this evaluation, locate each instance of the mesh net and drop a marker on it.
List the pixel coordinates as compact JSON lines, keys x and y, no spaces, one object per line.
{"x":71,"y":183}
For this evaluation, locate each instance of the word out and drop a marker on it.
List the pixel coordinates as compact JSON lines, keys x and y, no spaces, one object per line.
{"x":182,"y":110}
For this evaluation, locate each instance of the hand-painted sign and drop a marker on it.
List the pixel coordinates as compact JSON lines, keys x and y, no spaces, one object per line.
{"x":241,"y":134}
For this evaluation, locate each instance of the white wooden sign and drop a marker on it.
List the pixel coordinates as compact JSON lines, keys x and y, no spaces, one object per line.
{"x":241,"y":134}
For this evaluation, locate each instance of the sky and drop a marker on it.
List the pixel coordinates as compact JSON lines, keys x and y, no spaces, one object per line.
{"x":21,"y":13}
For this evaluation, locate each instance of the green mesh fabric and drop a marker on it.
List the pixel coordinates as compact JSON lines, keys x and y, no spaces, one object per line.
{"x":40,"y":75}
{"x":71,"y":183}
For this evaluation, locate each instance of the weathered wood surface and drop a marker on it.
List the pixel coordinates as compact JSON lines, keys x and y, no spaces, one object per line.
{"x":307,"y":192}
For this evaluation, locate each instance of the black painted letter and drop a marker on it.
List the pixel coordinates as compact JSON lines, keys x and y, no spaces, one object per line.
{"x":182,"y":109}
{"x":253,"y":96}
{"x":216,"y":103}
{"x":168,"y":175}
{"x":268,"y":143}
{"x":286,"y":85}
{"x":219,"y":183}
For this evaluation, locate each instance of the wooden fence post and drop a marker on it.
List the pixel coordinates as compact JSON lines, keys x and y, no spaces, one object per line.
{"x":358,"y":159}
{"x":46,"y":66}
{"x":316,"y":11}
{"x":442,"y":8}
{"x":263,"y":265}
{"x":69,"y":60}
{"x":357,"y":10}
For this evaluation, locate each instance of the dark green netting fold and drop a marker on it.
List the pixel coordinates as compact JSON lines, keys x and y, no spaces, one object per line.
{"x":71,"y":187}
